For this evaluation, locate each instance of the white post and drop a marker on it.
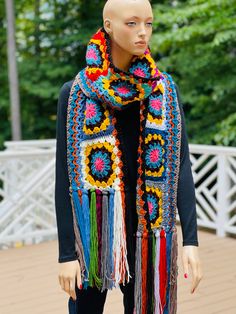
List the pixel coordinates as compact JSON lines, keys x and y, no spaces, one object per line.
{"x":12,"y":72}
{"x":223,"y":201}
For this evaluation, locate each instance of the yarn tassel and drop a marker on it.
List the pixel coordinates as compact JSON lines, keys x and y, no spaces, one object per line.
{"x":80,"y":220}
{"x":105,"y":243}
{"x":138,"y":275}
{"x":168,"y":254}
{"x":111,"y":228}
{"x":154,"y":250}
{"x":150,"y":279}
{"x":173,"y":274}
{"x":144,"y":271}
{"x":163,"y":269}
{"x":93,"y":270}
{"x":157,"y":308}
{"x":99,"y":226}
{"x":121,"y":266}
{"x":78,"y":243}
{"x":86,"y":221}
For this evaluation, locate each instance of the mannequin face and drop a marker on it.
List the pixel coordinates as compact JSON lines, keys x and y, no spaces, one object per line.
{"x":128,"y":22}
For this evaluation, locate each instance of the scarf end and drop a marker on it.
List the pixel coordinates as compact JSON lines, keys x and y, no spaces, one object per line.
{"x":99,"y":222}
{"x":156,"y":272}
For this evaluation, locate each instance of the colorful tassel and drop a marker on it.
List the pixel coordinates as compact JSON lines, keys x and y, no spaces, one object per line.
{"x":157,"y":305}
{"x":168,"y":255}
{"x":173,"y":275}
{"x":111,"y":228}
{"x":78,"y":243}
{"x":99,"y":226}
{"x":144,"y":271}
{"x":138,"y":275}
{"x":105,"y":242}
{"x":121,"y":267}
{"x":86,"y":221}
{"x":150,"y":277}
{"x":93,"y":269}
{"x":163,"y":269}
{"x":82,"y":227}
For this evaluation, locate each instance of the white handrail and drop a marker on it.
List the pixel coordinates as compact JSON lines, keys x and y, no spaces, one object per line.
{"x":27,"y":171}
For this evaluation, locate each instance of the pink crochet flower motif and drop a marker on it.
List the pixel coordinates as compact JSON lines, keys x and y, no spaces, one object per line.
{"x":123,"y":90}
{"x":99,"y":164}
{"x":139,"y":72}
{"x":150,"y":207}
{"x":154,"y":155}
{"x":90,"y":111}
{"x":156,"y":104}
{"x":91,"y":54}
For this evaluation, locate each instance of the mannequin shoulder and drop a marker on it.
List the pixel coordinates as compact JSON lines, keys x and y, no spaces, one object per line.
{"x":63,"y":100}
{"x":65,"y":91}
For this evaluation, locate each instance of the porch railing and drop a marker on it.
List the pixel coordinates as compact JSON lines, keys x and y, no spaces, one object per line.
{"x":27,"y":176}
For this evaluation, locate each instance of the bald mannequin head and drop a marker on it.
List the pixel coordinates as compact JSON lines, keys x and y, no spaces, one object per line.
{"x":113,"y":8}
{"x":129,"y":25}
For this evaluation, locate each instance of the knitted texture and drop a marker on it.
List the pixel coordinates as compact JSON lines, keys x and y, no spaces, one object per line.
{"x":97,"y":171}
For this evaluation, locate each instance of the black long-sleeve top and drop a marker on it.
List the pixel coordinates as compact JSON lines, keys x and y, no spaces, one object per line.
{"x":129,"y":123}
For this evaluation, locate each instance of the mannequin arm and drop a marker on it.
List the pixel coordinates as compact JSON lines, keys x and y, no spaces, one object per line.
{"x":69,"y":273}
{"x":190,"y":256}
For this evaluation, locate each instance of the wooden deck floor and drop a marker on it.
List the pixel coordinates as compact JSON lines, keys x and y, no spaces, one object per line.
{"x":29,"y":283}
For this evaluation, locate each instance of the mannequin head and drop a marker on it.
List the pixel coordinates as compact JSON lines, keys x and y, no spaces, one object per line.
{"x":128,"y":22}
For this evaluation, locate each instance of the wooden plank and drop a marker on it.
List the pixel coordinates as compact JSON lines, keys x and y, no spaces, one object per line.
{"x":29,"y":282}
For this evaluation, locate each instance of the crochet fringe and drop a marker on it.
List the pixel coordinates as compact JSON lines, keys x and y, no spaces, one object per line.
{"x":150,"y":297}
{"x":138,"y":277}
{"x":120,"y":250}
{"x":101,"y":237}
{"x":105,"y":257}
{"x":156,"y":268}
{"x":93,"y":271}
{"x":78,"y":242}
{"x":173,"y":275}
{"x":157,"y":277}
{"x":78,"y":223}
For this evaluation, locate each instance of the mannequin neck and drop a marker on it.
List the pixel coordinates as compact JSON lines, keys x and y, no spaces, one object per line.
{"x":120,"y":58}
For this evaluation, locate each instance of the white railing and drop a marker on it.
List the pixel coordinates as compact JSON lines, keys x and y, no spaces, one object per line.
{"x":214,"y":172}
{"x":27,"y":174}
{"x":27,"y":210}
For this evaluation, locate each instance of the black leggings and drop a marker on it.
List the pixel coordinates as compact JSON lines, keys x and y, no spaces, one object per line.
{"x":91,"y":301}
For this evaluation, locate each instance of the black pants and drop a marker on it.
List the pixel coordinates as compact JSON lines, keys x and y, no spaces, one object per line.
{"x":91,"y":301}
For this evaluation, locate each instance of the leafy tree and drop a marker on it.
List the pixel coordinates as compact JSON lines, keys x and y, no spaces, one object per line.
{"x":51,"y":40}
{"x":195,"y":40}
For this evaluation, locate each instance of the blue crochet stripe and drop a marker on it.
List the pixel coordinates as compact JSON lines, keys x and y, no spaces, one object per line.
{"x":173,"y":117}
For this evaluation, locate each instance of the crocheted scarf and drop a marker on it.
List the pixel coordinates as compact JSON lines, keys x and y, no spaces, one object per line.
{"x":97,"y":170}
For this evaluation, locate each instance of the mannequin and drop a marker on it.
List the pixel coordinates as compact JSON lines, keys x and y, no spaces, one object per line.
{"x":130,"y":29}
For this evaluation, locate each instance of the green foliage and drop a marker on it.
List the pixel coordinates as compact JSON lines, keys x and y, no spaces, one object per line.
{"x":195,"y":41}
{"x":226,"y":131}
{"x":51,"y":39}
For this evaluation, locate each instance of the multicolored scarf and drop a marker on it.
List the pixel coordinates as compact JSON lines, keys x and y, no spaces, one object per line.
{"x":97,"y":171}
